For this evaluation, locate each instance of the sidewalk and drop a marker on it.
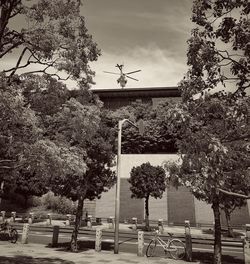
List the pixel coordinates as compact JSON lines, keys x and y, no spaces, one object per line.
{"x":40,"y":254}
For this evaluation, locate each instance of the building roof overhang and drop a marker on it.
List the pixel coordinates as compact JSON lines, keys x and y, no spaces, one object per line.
{"x":138,"y":92}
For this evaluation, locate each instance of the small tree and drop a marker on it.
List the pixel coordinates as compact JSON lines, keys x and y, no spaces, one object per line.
{"x":147,"y":180}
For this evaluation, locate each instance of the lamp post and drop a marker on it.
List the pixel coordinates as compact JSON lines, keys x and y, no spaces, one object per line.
{"x":118,"y":181}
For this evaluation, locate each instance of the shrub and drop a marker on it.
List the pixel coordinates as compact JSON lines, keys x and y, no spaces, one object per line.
{"x":59,"y":204}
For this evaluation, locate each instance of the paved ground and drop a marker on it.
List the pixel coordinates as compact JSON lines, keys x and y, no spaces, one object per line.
{"x":39,"y":254}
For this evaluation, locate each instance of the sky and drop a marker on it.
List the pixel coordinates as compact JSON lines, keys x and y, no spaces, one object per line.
{"x":146,"y":35}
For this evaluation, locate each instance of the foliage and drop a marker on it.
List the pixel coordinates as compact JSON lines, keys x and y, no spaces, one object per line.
{"x":156,"y":138}
{"x":76,"y":149}
{"x":18,"y":133}
{"x":58,"y":204}
{"x":218,"y":50}
{"x":53,"y":35}
{"x":213,"y":153}
{"x":147,"y":180}
{"x":213,"y":127}
{"x":64,"y":128}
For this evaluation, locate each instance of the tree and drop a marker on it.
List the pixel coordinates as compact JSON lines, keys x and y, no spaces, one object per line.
{"x":218,"y":50}
{"x":213,"y":128}
{"x":147,"y":180}
{"x":54,"y":41}
{"x":19,"y":131}
{"x":77,"y":149}
{"x":86,"y":130}
{"x":213,"y":152}
{"x":54,"y":36}
{"x":156,"y":137}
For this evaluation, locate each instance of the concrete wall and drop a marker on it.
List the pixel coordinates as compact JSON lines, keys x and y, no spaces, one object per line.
{"x":89,"y":207}
{"x":180,"y":206}
{"x":158,"y":208}
{"x":105,"y":207}
{"x":128,"y":161}
{"x":238,"y":217}
{"x":176,"y":206}
{"x":203,"y":212}
{"x":130,"y":207}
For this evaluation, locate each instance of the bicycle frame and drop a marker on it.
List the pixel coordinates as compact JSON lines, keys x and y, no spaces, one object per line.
{"x":162,"y":242}
{"x":173,"y":246}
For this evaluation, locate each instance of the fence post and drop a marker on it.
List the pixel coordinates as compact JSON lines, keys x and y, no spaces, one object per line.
{"x":134,"y":222}
{"x":89,"y":221}
{"x":188,"y":241}
{"x":160,"y":226}
{"x":49,"y":219}
{"x":25,"y":234}
{"x":31,"y":218}
{"x":68,"y":219}
{"x":248,"y":232}
{"x":247,"y":245}
{"x":2,"y":216}
{"x":140,"y":243}
{"x":13,"y":217}
{"x":98,"y":220}
{"x":111,"y":222}
{"x":55,"y":236}
{"x":98,"y":240}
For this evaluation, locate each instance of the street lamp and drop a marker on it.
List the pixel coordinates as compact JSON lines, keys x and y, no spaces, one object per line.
{"x":118,"y":181}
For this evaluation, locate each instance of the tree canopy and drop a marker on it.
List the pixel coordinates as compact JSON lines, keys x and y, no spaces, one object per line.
{"x":213,"y":126}
{"x":156,"y":137}
{"x":218,"y":50}
{"x":53,"y":36}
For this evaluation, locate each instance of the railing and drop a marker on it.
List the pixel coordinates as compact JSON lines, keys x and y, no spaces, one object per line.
{"x":191,"y":240}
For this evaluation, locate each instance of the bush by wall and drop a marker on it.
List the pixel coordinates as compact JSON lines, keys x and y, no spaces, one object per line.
{"x":59,"y":204}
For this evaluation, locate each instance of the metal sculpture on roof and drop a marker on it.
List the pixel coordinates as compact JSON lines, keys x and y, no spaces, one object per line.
{"x":122,"y":80}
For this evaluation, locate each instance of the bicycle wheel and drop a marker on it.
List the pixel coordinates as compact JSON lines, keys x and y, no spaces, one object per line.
{"x":151,"y":248}
{"x":176,"y":249}
{"x":13,"y":236}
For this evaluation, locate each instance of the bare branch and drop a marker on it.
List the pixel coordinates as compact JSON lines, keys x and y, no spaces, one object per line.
{"x":20,"y":67}
{"x":19,"y":61}
{"x":7,"y":160}
{"x":17,"y":11}
{"x":232,"y":60}
{"x":238,"y":195}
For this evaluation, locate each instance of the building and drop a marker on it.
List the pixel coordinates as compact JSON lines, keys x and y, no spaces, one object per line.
{"x":176,"y":206}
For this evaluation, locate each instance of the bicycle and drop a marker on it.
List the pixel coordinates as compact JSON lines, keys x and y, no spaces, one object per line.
{"x":6,"y":228}
{"x":173,"y":246}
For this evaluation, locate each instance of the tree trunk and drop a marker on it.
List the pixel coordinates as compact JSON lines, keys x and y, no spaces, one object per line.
{"x":217,"y":232}
{"x":147,"y":213}
{"x":1,"y":192}
{"x":229,"y":227}
{"x":73,"y":243}
{"x":26,"y":201}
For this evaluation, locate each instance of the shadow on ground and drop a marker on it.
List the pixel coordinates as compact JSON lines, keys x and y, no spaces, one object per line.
{"x":207,"y":258}
{"x":30,"y":260}
{"x":83,"y":246}
{"x":224,"y":233}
